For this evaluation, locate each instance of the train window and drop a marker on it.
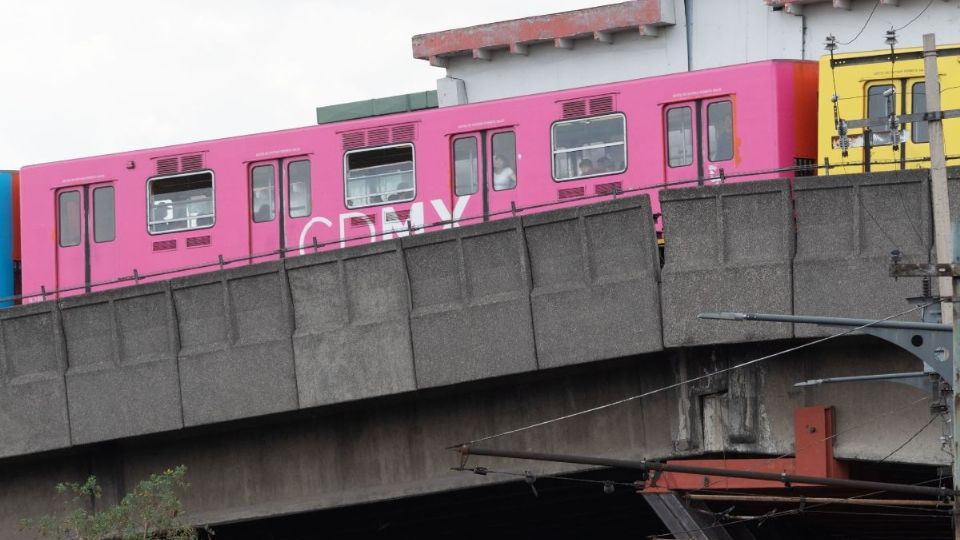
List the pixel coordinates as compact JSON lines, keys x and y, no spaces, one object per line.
{"x":180,"y":203}
{"x":379,"y":175}
{"x":465,"y":165}
{"x":69,"y":222}
{"x":720,"y":130}
{"x":504,"y":160}
{"x":262,"y":201}
{"x":104,"y":215}
{"x":877,"y":108}
{"x":589,"y":147}
{"x":919,"y":105}
{"x":680,"y":136}
{"x":298,"y":185}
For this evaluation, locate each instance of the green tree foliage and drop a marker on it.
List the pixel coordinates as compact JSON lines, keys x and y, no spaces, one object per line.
{"x":152,"y":511}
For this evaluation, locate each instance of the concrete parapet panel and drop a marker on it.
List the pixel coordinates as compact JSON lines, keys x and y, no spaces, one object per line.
{"x":727,"y":248}
{"x":594,"y":275}
{"x":122,"y":376}
{"x":470,"y":316}
{"x":33,"y":398}
{"x":236,"y":358}
{"x":352,"y":334}
{"x":847,"y":226}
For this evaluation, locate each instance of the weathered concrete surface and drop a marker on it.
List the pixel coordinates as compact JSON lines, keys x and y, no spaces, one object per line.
{"x":729,"y":248}
{"x":595,"y":276}
{"x":384,"y":448}
{"x":374,"y":320}
{"x":847,"y":226}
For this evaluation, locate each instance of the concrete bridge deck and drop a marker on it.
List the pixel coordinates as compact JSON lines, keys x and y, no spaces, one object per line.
{"x":338,"y":377}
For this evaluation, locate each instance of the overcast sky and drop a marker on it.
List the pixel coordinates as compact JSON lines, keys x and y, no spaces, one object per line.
{"x":81,"y":78}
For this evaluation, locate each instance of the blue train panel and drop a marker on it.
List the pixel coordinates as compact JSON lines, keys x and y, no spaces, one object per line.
{"x":7,"y":204}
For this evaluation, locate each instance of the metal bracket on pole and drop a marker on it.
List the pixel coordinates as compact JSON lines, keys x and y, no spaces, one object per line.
{"x":930,"y":342}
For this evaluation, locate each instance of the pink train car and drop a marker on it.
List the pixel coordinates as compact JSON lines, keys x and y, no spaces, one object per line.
{"x":101,"y":222}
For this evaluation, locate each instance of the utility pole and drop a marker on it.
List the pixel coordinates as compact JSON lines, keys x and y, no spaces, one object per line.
{"x":947,"y":240}
{"x":938,"y":171}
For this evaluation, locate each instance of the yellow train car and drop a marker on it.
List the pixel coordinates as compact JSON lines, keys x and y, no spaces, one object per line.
{"x":868,"y":86}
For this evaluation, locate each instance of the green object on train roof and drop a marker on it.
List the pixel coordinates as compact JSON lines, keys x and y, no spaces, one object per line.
{"x":377,"y":107}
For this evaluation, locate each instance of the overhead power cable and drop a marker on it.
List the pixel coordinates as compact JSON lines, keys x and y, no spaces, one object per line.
{"x":684,"y":382}
{"x":913,"y":20}
{"x":865,"y":23}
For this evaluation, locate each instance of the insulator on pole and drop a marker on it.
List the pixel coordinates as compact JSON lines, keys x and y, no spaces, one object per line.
{"x":830,"y":44}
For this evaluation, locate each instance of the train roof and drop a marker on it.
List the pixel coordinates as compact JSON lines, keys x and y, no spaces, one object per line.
{"x":365,"y":122}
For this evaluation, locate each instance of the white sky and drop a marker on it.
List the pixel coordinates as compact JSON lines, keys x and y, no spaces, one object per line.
{"x":81,"y":78}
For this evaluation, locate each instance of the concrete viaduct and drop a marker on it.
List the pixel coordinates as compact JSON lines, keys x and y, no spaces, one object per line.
{"x":337,"y":378}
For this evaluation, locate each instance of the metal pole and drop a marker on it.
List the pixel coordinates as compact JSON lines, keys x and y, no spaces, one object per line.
{"x":954,"y":349}
{"x":938,"y":169}
{"x":817,"y":500}
{"x":645,"y":466}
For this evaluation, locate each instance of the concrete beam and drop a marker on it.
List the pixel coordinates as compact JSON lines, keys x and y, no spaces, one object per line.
{"x":603,"y":37}
{"x":482,"y":54}
{"x":843,"y":4}
{"x":648,"y":30}
{"x":438,"y":61}
{"x":563,"y":43}
{"x":519,"y":48}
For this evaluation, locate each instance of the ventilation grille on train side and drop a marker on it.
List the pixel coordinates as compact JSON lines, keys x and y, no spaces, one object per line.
{"x":611,"y":188}
{"x":164,"y":245}
{"x":366,"y":221}
{"x":398,"y":216}
{"x":588,"y":107}
{"x":570,"y":193}
{"x":197,"y":241}
{"x":179,"y":164}
{"x":379,"y":136}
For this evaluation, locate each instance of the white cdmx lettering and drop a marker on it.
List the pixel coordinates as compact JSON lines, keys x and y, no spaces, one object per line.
{"x":392,"y":224}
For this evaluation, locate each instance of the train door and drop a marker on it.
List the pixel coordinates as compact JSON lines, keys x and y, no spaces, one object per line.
{"x":699,"y":141}
{"x":86,"y":237}
{"x":485,"y":168}
{"x":902,"y":96}
{"x":280,"y":205}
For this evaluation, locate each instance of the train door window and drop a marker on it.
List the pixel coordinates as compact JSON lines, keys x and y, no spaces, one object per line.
{"x":180,"y":203}
{"x":589,"y":147}
{"x":69,"y":218}
{"x":104,"y":215}
{"x":379,"y":175}
{"x":465,"y":166}
{"x":263,"y":204}
{"x":504,"y":160}
{"x":918,"y":104}
{"x":680,"y":136}
{"x":720,"y":130}
{"x":877,"y":108}
{"x":299,"y":188}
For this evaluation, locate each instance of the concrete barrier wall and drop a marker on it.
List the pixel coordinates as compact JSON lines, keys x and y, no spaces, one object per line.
{"x":728,"y":248}
{"x":470,"y":303}
{"x":847,"y":226}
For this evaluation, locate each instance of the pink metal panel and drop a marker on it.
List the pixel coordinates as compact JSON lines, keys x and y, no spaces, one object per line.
{"x":772,"y":126}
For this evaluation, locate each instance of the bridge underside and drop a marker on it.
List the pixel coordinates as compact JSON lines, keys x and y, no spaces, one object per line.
{"x":386,"y":449}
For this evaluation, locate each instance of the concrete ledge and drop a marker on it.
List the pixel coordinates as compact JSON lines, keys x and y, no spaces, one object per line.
{"x":728,"y":248}
{"x":352,"y":335}
{"x":847,"y":226}
{"x":236,"y":359}
{"x":470,"y":305}
{"x":595,"y":275}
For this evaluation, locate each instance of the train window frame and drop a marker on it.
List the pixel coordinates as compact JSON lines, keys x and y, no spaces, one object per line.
{"x":78,"y":221}
{"x":255,"y":207}
{"x":913,"y":109}
{"x":476,"y":165}
{"x":690,"y":138}
{"x":413,"y":173}
{"x":554,"y":152}
{"x":308,"y":207}
{"x":710,"y":144}
{"x":213,"y":203}
{"x":97,"y":212}
{"x":516,"y":162}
